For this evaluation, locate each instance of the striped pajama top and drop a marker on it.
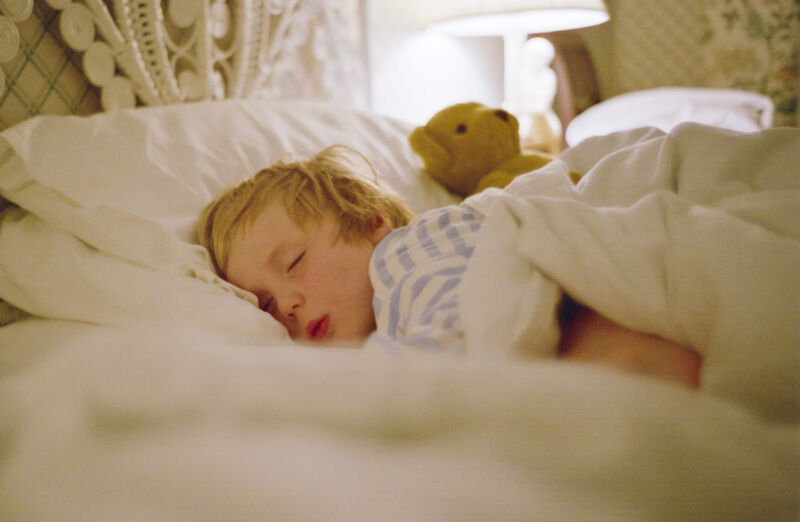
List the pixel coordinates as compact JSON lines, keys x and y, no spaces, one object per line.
{"x":416,"y":272}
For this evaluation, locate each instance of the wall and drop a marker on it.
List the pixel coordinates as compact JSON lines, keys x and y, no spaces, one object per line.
{"x":414,"y":73}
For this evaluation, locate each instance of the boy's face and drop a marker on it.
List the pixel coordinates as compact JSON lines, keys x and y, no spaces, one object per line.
{"x":314,"y":284}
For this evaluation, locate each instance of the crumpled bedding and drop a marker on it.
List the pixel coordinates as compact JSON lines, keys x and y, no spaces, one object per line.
{"x":192,"y":408}
{"x":693,"y":236}
{"x":106,"y":424}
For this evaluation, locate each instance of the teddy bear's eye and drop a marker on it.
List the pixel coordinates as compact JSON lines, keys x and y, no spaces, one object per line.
{"x":461,"y":129}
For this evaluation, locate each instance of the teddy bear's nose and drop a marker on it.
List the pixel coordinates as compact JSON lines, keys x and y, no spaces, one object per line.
{"x":503,"y":115}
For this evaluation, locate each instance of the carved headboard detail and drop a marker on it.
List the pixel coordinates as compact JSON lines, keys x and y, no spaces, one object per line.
{"x":154,"y":52}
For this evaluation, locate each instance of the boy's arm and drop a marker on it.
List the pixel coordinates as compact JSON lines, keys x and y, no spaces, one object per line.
{"x":590,"y":337}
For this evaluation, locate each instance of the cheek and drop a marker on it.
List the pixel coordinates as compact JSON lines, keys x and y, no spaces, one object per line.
{"x":345,"y":277}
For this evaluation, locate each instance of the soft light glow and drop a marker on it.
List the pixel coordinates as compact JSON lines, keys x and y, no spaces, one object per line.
{"x":496,"y":17}
{"x":539,"y":21}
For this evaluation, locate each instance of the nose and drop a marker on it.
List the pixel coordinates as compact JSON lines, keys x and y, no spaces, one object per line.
{"x":289,"y":304}
{"x":286,"y":311}
{"x":288,"y":301}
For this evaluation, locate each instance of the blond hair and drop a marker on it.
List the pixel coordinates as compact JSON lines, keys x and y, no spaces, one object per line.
{"x":327,"y":185}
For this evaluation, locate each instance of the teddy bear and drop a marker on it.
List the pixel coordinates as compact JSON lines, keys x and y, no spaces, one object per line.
{"x":468,"y":147}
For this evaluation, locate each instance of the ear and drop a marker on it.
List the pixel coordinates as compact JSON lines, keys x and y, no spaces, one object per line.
{"x":380,"y":229}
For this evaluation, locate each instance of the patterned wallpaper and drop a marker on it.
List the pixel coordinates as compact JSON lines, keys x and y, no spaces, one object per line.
{"x":42,"y":76}
{"x":752,"y":45}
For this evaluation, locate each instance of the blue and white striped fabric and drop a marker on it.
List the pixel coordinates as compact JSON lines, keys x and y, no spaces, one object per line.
{"x":416,"y":272}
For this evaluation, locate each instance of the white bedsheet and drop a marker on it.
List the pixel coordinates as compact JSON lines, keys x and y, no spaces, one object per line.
{"x":177,"y":410}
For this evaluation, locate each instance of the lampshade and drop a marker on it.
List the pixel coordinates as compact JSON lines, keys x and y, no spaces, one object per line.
{"x":498,"y":17}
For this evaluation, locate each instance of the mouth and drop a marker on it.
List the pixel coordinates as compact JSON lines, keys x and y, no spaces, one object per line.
{"x":317,"y":329}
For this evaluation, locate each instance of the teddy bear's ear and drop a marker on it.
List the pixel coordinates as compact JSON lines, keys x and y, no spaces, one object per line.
{"x":436,"y":158}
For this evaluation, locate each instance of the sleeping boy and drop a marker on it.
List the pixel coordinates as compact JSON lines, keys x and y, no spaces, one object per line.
{"x":335,"y":257}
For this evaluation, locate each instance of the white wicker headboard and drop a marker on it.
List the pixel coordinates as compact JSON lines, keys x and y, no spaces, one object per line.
{"x":83,"y":56}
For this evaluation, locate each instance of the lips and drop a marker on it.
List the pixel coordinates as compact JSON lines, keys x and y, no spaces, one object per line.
{"x":317,"y":329}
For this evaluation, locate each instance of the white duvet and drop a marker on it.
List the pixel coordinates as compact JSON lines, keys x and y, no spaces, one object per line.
{"x":693,"y":236}
{"x":153,"y":391}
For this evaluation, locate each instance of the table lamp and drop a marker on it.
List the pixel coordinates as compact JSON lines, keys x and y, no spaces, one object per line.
{"x":514,"y":20}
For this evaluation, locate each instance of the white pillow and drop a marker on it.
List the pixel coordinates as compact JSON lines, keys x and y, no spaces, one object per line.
{"x":666,"y":107}
{"x":120,"y":192}
{"x":166,"y":163}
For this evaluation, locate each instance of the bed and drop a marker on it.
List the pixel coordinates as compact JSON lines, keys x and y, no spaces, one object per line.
{"x":135,"y":384}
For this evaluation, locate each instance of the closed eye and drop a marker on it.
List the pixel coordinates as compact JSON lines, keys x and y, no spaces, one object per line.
{"x":268,"y":305}
{"x":296,"y":261}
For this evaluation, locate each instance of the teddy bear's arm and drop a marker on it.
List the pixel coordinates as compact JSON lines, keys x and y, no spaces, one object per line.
{"x":496,"y":178}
